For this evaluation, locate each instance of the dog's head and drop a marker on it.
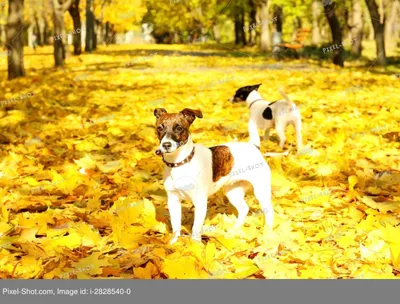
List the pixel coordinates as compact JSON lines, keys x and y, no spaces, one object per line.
{"x":242,"y":93}
{"x":173,"y":129}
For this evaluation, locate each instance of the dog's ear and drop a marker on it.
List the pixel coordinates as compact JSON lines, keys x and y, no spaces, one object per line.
{"x":159,"y":112}
{"x":191,"y":115}
{"x":255,"y":87}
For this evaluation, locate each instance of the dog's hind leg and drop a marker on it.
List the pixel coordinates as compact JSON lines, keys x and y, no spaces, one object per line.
{"x":236,"y":197}
{"x":280,"y":130}
{"x":262,"y":191}
{"x":266,"y":134}
{"x":299,"y":139}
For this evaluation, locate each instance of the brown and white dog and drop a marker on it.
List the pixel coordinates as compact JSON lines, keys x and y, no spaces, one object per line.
{"x":194,"y":172}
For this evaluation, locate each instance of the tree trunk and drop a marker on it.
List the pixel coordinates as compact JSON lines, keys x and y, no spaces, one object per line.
{"x":336,"y":33}
{"x":240,"y":37}
{"x":237,"y":29}
{"x":379,"y":29}
{"x":89,"y":46}
{"x":15,"y":45}
{"x":265,"y":35}
{"x":2,"y":25}
{"x":391,"y":22}
{"x":217,"y":33}
{"x":107,"y":33}
{"x":76,"y":18}
{"x":94,"y":33}
{"x":316,"y":36}
{"x":66,"y":52}
{"x":357,"y":27}
{"x":252,"y":20}
{"x":41,"y":28}
{"x":59,"y":33}
{"x":30,"y":34}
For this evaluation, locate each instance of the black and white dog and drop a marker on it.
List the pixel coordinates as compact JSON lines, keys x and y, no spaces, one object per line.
{"x":264,"y":115}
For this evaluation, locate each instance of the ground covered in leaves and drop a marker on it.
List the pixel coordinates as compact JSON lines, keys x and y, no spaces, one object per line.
{"x":81,"y":190}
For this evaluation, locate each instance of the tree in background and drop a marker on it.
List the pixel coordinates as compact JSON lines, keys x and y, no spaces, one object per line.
{"x":90,"y":27}
{"x":316,"y":31}
{"x":378,"y":23}
{"x":265,"y":42}
{"x":3,"y":24}
{"x":238,"y":12}
{"x":356,"y":27}
{"x":59,"y":8}
{"x":123,"y":15}
{"x":15,"y":45}
{"x":393,"y":13}
{"x":76,"y":18}
{"x":338,"y":53}
{"x":252,"y":20}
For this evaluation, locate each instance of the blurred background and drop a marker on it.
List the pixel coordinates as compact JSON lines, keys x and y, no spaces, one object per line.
{"x":307,"y":28}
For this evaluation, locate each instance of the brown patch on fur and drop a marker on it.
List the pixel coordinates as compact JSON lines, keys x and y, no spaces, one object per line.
{"x":222,"y":161}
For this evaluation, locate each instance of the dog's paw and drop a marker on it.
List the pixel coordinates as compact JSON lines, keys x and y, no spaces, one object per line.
{"x":196,"y":237}
{"x":174,"y":239}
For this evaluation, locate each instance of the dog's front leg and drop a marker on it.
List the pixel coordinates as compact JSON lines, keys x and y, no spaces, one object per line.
{"x":175,"y":212}
{"x":253,"y":132}
{"x":200,"y":212}
{"x":266,"y":134}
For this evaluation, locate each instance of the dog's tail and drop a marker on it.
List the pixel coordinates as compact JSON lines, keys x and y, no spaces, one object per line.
{"x":288,"y":100}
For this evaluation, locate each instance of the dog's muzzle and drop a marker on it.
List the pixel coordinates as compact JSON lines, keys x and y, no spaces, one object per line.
{"x":231,"y":99}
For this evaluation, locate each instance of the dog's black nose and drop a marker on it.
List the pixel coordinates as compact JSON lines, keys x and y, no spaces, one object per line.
{"x":167,"y":145}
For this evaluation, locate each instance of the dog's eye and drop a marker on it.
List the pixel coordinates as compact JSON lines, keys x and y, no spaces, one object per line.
{"x":179,"y":128}
{"x":160,"y":128}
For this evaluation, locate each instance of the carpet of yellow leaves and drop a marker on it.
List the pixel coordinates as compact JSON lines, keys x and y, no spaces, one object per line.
{"x":81,"y":189}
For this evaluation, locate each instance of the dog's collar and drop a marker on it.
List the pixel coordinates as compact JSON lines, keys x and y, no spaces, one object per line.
{"x":254,"y":102}
{"x":185,"y":161}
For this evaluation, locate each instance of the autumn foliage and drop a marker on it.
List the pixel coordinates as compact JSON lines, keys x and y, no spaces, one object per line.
{"x":81,"y":192}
